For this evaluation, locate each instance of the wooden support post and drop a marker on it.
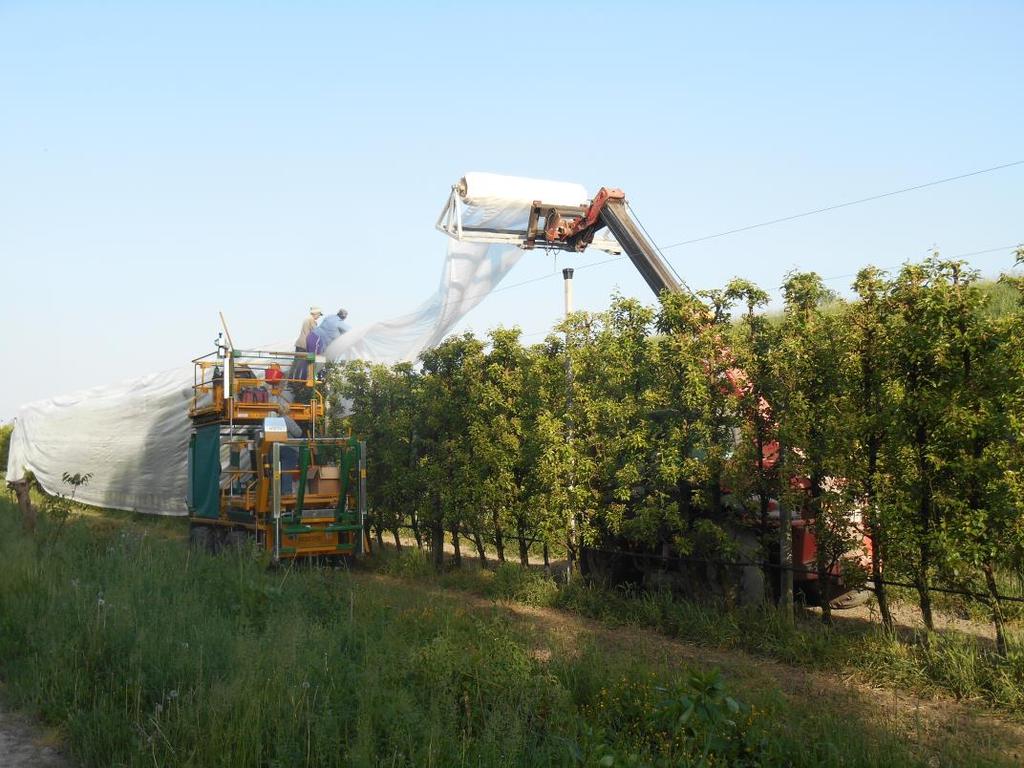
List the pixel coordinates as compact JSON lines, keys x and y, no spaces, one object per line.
{"x":28,"y":512}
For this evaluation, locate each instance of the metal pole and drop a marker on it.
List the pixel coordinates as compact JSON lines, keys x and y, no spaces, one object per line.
{"x":573,"y":548}
{"x":227,"y":333}
{"x":567,"y":281}
{"x":276,"y":480}
{"x":362,"y":493}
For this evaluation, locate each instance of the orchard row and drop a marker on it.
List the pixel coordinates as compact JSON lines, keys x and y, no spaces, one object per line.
{"x":661,"y":428}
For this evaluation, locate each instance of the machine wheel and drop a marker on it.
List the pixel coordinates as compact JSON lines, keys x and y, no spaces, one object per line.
{"x":199,"y":537}
{"x":216,"y":540}
{"x":236,"y":540}
{"x":852,"y":599}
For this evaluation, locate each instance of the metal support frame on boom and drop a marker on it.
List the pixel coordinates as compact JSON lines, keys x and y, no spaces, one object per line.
{"x":573,"y":228}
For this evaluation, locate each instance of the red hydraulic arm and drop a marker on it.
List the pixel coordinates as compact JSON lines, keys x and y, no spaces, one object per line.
{"x":573,"y":229}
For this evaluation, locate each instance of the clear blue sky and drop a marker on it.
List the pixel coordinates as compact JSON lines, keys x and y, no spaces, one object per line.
{"x":159,"y":162}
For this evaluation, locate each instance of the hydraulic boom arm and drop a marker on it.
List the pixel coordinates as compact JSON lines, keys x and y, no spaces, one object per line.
{"x":573,"y":229}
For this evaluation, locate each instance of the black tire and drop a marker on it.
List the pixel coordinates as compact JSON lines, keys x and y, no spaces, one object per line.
{"x":852,"y":599}
{"x":807,"y":592}
{"x":199,"y":537}
{"x":237,"y":540}
{"x":216,"y":541}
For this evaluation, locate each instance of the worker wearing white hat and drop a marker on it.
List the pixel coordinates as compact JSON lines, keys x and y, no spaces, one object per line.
{"x":298,"y":369}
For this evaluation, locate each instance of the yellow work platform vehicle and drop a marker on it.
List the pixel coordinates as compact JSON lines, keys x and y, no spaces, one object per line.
{"x":257,"y":469}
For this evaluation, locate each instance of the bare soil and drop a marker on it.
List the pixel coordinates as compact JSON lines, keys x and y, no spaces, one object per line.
{"x":907,"y":616}
{"x":25,"y":745}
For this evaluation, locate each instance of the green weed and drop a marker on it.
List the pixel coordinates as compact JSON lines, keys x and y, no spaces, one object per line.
{"x":955,"y":664}
{"x":147,"y":654}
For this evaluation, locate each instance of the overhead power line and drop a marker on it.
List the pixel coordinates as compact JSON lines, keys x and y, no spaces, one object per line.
{"x":663,"y":248}
{"x":954,"y":256}
{"x":843,"y":205}
{"x":832,"y":277}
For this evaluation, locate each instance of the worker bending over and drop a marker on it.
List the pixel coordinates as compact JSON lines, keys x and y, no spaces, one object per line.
{"x":331,"y":328}
{"x":298,"y":369}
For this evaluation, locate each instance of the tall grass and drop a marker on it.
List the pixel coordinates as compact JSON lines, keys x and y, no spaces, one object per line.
{"x":145,"y":654}
{"x":952,"y":663}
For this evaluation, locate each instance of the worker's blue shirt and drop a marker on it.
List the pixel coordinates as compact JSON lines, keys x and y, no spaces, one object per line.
{"x":331,"y":328}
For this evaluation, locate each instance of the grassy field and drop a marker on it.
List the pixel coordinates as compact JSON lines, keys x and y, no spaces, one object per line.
{"x":144,"y":654}
{"x":953,"y":663}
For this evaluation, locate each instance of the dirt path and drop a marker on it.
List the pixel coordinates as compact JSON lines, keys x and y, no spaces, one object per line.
{"x":24,"y":745}
{"x":945,"y":729}
{"x":907,"y":616}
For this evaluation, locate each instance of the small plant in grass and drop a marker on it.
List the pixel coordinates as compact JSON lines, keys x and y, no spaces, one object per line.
{"x":408,"y":564}
{"x":513,"y":582}
{"x":58,"y":507}
{"x":694,"y":721}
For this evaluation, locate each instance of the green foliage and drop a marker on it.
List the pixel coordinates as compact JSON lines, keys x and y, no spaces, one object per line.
{"x":950,"y":663}
{"x":513,"y":582}
{"x":665,"y":430}
{"x":146,"y":654}
{"x":57,"y":507}
{"x":694,"y":722}
{"x":5,"y":445}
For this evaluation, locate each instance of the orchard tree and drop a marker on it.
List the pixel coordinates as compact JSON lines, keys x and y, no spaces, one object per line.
{"x":869,"y":410}
{"x":753,"y":469}
{"x":813,"y":386}
{"x":614,"y":395}
{"x":977,"y":441}
{"x":499,"y":430}
{"x":693,"y":431}
{"x":451,"y":476}
{"x":384,"y":408}
{"x":561,"y":487}
{"x":927,"y":370}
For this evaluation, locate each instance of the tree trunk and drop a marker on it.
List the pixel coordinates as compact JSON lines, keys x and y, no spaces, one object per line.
{"x":921,"y":582}
{"x":825,"y":590}
{"x":997,"y":609}
{"x":924,"y":517}
{"x":457,"y":546}
{"x":28,"y":511}
{"x":762,"y":482}
{"x":379,"y":530}
{"x":437,"y":545}
{"x":715,"y":497}
{"x":415,"y":524}
{"x":821,"y":551}
{"x":398,"y":539}
{"x":499,"y":535}
{"x":871,"y":393}
{"x":875,"y":536}
{"x":547,"y":560}
{"x":784,"y":578}
{"x":481,"y":553}
{"x":368,"y":535}
{"x":524,"y":548}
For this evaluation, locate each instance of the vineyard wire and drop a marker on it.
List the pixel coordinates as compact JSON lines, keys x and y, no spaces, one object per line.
{"x":762,"y":564}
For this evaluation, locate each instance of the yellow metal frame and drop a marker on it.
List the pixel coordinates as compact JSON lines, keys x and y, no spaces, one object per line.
{"x":243,"y":372}
{"x":252,"y":498}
